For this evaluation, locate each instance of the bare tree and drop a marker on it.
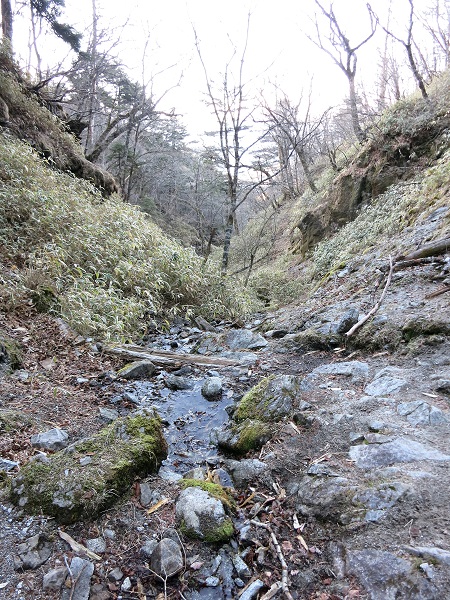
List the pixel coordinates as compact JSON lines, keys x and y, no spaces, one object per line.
{"x":408,"y":45}
{"x":7,"y":20}
{"x":338,"y":47}
{"x":229,"y":106}
{"x":294,"y":132}
{"x":436,"y":22}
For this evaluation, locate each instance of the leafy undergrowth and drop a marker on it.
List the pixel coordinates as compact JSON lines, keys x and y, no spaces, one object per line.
{"x":99,"y":263}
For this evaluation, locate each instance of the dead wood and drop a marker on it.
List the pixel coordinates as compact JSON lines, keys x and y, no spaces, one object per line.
{"x":371,"y":312}
{"x":438,"y":292}
{"x":167,"y":358}
{"x":435,"y":248}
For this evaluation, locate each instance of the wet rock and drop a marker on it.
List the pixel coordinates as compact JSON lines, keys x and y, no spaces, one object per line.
{"x":169,"y":474}
{"x":177,"y":382}
{"x":54,"y":579}
{"x":140,"y":369}
{"x":400,"y":450}
{"x":82,"y":571}
{"x":97,"y":545}
{"x":32,"y":553}
{"x":384,"y":576}
{"x":202,"y":516}
{"x":63,"y":488}
{"x":247,"y":471}
{"x":421,"y":413}
{"x":243,"y":339}
{"x":167,"y":559}
{"x":53,"y":439}
{"x":212,"y":388}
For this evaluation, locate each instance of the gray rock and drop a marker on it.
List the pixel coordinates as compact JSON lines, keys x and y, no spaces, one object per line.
{"x":167,"y":559}
{"x":176,"y":382}
{"x":212,"y":581}
{"x":54,"y":579}
{"x":245,"y":359}
{"x":108,"y":414}
{"x":241,"y":567}
{"x":7,"y":465}
{"x":421,"y":413}
{"x":246,"y":471}
{"x":387,"y":577}
{"x":384,"y":385}
{"x":115,"y":575}
{"x":148,"y":548}
{"x":324,"y":497}
{"x":443,"y":386}
{"x":381,"y":497}
{"x":252,"y":590}
{"x":322,"y":470}
{"x":147,"y":494}
{"x":97,"y":545}
{"x":400,"y":450}
{"x":140,"y":369}
{"x":243,"y":339}
{"x":347,"y":321}
{"x":438,"y":554}
{"x":212,"y":388}
{"x":126,"y":585}
{"x":32,"y":553}
{"x":82,"y":571}
{"x":168,"y":474}
{"x":197,"y":473}
{"x":354,"y":368}
{"x":53,"y":439}
{"x":202,"y":516}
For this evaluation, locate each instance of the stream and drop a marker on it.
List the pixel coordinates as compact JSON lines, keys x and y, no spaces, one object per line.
{"x":188,"y":417}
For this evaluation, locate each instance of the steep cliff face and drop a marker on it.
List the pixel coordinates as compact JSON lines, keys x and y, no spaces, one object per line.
{"x":24,"y":114}
{"x":409,"y":137}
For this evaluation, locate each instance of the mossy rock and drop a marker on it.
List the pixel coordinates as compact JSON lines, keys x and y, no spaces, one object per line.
{"x":240,"y":438}
{"x":10,"y":353}
{"x":377,"y":336}
{"x":214,"y":489}
{"x":420,"y":327}
{"x":313,"y":339}
{"x":91,"y":474}
{"x":13,"y":420}
{"x":270,"y":400}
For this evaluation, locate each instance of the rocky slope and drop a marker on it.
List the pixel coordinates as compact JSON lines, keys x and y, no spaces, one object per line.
{"x":342,"y":494}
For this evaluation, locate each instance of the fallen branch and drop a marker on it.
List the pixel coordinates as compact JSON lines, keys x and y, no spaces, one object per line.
{"x":438,"y":292}
{"x":164,"y":357}
{"x":360,"y":323}
{"x":432,"y":249}
{"x":399,"y":263}
{"x":284,"y":567}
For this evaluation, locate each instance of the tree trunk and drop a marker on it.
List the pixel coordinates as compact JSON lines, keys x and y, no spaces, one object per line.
{"x":417,"y":76}
{"x":7,"y":20}
{"x":227,"y":243}
{"x":307,"y":171}
{"x":354,"y":110}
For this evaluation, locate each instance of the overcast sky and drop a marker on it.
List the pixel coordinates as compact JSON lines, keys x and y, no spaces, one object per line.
{"x":278,"y":49}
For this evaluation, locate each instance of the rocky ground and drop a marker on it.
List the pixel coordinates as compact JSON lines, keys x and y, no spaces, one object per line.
{"x":343,"y":494}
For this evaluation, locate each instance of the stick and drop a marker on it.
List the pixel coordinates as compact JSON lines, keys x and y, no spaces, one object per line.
{"x":438,"y":292}
{"x":359,"y":324}
{"x":284,"y":567}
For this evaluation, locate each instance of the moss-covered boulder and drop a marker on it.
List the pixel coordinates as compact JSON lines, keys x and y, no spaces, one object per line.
{"x":202,"y":515}
{"x":255,"y":419}
{"x":88,"y":476}
{"x":10,"y":354}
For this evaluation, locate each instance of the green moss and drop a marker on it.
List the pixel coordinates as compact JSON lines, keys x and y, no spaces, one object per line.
{"x":428,"y":327}
{"x":249,"y":407}
{"x":252,"y":435}
{"x":377,"y":336}
{"x":222,"y":533}
{"x":64,"y":488}
{"x":10,"y":352}
{"x":214,"y":489}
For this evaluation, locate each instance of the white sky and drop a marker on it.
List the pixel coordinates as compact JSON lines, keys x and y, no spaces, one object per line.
{"x":278,"y":50}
